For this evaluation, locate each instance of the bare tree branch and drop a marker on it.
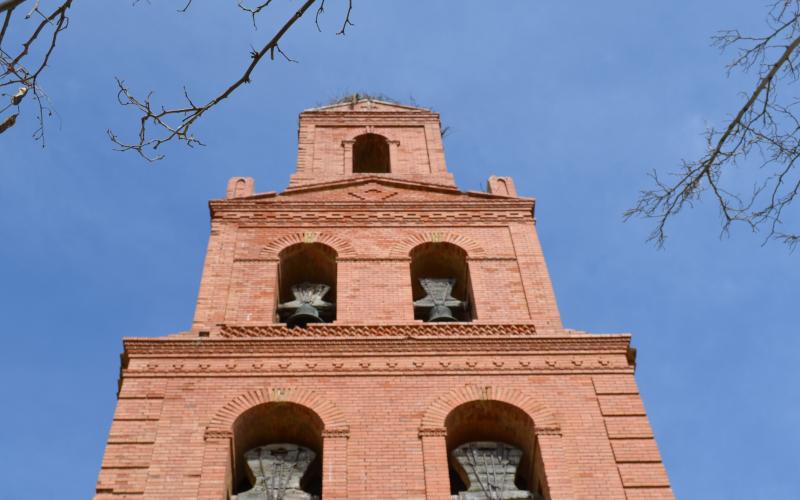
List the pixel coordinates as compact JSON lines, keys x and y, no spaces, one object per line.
{"x":23,"y":66}
{"x":347,"y":22}
{"x":186,"y":7}
{"x":254,"y":11}
{"x":6,"y":21}
{"x":23,"y":69}
{"x":763,"y":136}
{"x":9,"y":5}
{"x":159,"y":125}
{"x":320,"y":11}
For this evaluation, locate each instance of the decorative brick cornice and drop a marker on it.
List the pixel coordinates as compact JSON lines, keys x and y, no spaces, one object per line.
{"x":462,"y":202}
{"x":383,"y":340}
{"x":419,"y":330}
{"x":284,"y":361}
{"x":450,"y":214}
{"x":378,"y":356}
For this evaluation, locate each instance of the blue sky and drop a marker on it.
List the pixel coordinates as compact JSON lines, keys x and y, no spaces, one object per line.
{"x":576,"y":101}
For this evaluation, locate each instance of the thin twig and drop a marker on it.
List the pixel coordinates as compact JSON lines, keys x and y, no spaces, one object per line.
{"x":347,"y":22}
{"x":187,"y":115}
{"x":15,"y":67}
{"x":764,"y":132}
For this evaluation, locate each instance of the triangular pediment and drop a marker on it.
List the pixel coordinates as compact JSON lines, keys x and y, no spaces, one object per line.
{"x":378,"y":189}
{"x":366,"y":104}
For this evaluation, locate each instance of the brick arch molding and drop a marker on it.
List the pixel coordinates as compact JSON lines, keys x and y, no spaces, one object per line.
{"x":332,"y":418}
{"x":543,"y":420}
{"x":403,"y":247}
{"x":272,"y":249}
{"x":354,"y":134}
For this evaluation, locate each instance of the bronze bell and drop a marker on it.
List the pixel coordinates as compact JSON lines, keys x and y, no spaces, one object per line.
{"x":441,"y":314}
{"x":304,"y":315}
{"x":306,"y":304}
{"x":439,"y":299}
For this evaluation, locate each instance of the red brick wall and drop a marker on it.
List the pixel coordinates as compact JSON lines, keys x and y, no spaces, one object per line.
{"x":508,"y":274}
{"x":325,"y":136}
{"x":381,"y":382}
{"x":179,"y":398}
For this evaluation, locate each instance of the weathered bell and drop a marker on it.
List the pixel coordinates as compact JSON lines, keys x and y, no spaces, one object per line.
{"x":439,"y":299}
{"x":306,"y":305}
{"x":276,"y":471}
{"x":441,"y":314}
{"x":304,"y":315}
{"x":489,"y":468}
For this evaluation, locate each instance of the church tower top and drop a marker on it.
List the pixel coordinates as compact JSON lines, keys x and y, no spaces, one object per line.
{"x":363,"y":136}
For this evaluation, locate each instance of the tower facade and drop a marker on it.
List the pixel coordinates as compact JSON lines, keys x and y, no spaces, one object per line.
{"x":372,"y":332}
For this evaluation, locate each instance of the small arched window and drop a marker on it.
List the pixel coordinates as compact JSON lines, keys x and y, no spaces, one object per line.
{"x":491,"y":451}
{"x":371,"y":154}
{"x":277,"y":452}
{"x":440,"y":283}
{"x":306,"y":284}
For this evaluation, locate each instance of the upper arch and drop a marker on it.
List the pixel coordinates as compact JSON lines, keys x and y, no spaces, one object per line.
{"x":273,"y":249}
{"x":332,"y":418}
{"x":437,"y":412}
{"x":403,"y":248}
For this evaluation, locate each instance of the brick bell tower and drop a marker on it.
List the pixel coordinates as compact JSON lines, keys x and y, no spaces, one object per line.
{"x":374,"y":333}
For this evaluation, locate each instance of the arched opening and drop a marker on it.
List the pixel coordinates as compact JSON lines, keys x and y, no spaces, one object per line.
{"x":306,"y":284}
{"x":484,"y":434}
{"x":271,"y":444}
{"x":440,"y":283}
{"x":239,"y":190}
{"x":371,"y":154}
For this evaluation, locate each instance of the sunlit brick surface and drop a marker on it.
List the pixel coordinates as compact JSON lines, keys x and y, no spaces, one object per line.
{"x":382,"y":383}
